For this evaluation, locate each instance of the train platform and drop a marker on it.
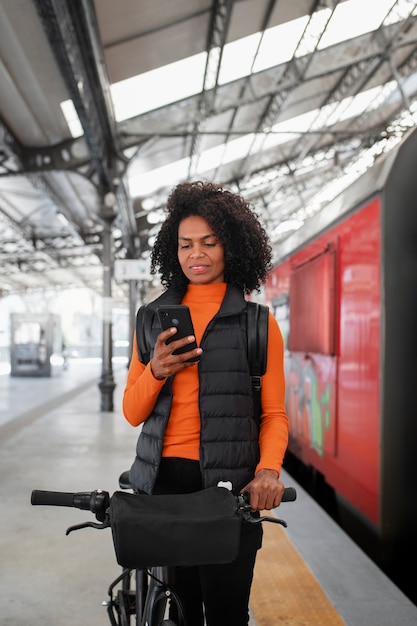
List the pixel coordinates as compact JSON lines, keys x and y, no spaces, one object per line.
{"x":54,"y":436}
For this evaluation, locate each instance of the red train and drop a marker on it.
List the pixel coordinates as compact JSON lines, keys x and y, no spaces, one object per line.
{"x":345,"y":293}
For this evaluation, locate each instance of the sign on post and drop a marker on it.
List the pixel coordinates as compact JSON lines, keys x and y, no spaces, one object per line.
{"x":132,"y":269}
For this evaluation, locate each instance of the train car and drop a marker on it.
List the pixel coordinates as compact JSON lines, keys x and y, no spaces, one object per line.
{"x":344,"y":289}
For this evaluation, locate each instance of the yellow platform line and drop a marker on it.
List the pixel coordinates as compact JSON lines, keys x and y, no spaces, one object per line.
{"x":285,"y":591}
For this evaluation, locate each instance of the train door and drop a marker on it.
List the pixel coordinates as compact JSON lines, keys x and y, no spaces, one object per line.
{"x":312,"y":360}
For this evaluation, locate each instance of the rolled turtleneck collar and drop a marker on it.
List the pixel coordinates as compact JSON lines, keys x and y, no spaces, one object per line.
{"x":206,"y":293}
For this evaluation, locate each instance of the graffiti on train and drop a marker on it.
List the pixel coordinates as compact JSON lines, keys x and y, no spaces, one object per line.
{"x":311,"y":400}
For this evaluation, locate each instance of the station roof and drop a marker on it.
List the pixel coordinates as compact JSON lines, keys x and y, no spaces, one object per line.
{"x":105,"y":106}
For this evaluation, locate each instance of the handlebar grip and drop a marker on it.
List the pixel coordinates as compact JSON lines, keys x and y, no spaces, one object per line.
{"x":290,"y":494}
{"x":53,"y":498}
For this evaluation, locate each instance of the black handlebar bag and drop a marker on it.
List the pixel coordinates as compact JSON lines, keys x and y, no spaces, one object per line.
{"x":198,"y":528}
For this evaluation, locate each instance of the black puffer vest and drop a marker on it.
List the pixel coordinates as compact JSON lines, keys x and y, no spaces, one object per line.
{"x":229,"y":448}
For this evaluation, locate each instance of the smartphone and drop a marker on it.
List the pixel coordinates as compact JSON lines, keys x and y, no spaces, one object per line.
{"x":178,"y":315}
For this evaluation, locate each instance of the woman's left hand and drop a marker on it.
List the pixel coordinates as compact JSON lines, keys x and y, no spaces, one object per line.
{"x":265,"y":490}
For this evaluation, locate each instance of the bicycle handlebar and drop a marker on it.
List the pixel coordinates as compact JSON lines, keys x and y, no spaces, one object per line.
{"x":98,"y":502}
{"x":290,"y":494}
{"x":95,"y":501}
{"x":54,"y":498}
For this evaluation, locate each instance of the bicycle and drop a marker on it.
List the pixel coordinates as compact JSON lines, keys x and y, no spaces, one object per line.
{"x":141,"y":593}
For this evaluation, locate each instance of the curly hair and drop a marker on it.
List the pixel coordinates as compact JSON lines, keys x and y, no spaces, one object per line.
{"x":247,"y":250}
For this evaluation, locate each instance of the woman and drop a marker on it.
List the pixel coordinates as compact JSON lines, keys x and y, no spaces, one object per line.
{"x":198,"y":425}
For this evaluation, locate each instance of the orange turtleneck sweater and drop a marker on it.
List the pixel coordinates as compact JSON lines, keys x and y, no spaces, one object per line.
{"x":182,"y":436}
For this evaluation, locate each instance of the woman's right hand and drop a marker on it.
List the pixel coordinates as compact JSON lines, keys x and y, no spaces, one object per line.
{"x":164,"y":363}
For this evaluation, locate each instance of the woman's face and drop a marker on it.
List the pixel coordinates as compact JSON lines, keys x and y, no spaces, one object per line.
{"x":200,"y":253}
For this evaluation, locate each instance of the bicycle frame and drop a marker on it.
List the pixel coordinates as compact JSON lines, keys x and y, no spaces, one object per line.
{"x":147,"y":602}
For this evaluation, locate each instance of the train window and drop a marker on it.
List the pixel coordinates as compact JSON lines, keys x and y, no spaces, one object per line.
{"x":312,"y":304}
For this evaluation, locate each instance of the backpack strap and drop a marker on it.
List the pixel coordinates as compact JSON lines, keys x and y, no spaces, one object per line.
{"x":257,"y":331}
{"x":143,"y":334}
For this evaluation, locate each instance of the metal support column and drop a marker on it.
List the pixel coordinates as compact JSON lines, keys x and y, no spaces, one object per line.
{"x":133,"y":298}
{"x":107,"y":384}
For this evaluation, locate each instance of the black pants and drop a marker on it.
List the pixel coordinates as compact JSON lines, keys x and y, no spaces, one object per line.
{"x":223,"y":590}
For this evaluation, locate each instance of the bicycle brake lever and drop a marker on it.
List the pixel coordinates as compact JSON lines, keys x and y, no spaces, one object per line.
{"x":86,"y":525}
{"x":257,"y":520}
{"x":275,"y":520}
